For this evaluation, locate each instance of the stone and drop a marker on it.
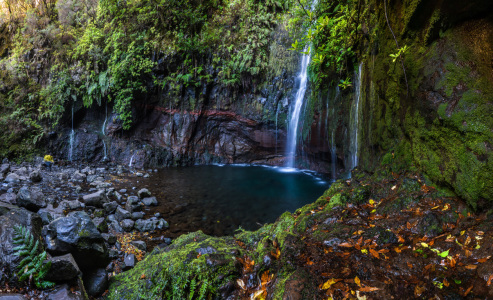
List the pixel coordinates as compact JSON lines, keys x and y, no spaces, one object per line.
{"x":91,"y":178}
{"x":129,"y":261}
{"x":11,"y":296}
{"x":10,"y":216}
{"x":114,"y":253}
{"x":31,"y":198}
{"x":127,"y":224}
{"x":141,"y":245}
{"x":49,"y":213}
{"x":118,"y":196}
{"x":63,"y":268}
{"x":109,"y":238}
{"x":96,"y":199}
{"x":122,"y":191}
{"x":35,"y":176}
{"x":146,"y":175}
{"x":8,"y":198}
{"x":101,"y":224}
{"x":96,"y":282}
{"x":12,"y":178}
{"x":77,"y":234}
{"x":139,"y":174}
{"x":63,"y":292}
{"x":72,"y":205}
{"x":133,"y":204}
{"x":22,"y":172}
{"x":138,"y":215}
{"x":115,"y":226}
{"x":122,"y":214}
{"x":162,"y":224}
{"x":144,"y":225}
{"x":4,"y":168}
{"x":150,"y":201}
{"x":110,"y":207}
{"x":87,"y":170}
{"x":143,"y":193}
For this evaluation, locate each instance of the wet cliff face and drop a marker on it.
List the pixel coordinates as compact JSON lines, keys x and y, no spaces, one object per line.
{"x":440,"y":120}
{"x":183,"y":125}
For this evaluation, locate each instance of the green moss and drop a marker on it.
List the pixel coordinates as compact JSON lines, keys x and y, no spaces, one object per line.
{"x":195,"y":266}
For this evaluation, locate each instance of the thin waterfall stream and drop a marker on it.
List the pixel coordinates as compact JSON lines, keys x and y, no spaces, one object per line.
{"x":354,"y":119}
{"x":71,"y":139}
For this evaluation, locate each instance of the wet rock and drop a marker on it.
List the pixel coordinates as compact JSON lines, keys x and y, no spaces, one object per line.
{"x":101,"y":224}
{"x":429,"y":225}
{"x":139,"y":174}
{"x":150,"y":201}
{"x":11,"y":296}
{"x":76,"y":234}
{"x":49,"y":213}
{"x":141,"y":245}
{"x":12,"y":178}
{"x":9,"y":198}
{"x":144,"y":225}
{"x":96,"y":282}
{"x":10,"y":216}
{"x":127,"y":224}
{"x":72,"y":205}
{"x":143,"y":193}
{"x":62,"y":268}
{"x":64,"y":293}
{"x":138,"y":215}
{"x":91,"y":178}
{"x":122,"y":191}
{"x":118,"y":196}
{"x":96,"y":199}
{"x":129,"y":261}
{"x":133,"y":204}
{"x":110,"y":207}
{"x":4,"y":168}
{"x":35,"y":176}
{"x":114,"y":253}
{"x":122,"y":214}
{"x":22,"y":172}
{"x":31,"y":198}
{"x":109,"y":238}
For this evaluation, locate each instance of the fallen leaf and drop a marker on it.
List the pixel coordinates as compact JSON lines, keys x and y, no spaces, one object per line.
{"x":445,"y":282}
{"x":468,"y":290}
{"x":374,"y":253}
{"x":357,"y":281}
{"x":241,"y":284}
{"x":482,"y":260}
{"x":329,"y":283}
{"x":471,"y":267}
{"x":143,"y":276}
{"x":488,"y":283}
{"x":257,"y":294}
{"x":418,"y":290}
{"x":368,"y":289}
{"x":345,"y":244}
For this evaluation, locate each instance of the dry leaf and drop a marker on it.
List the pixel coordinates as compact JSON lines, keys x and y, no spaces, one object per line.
{"x":482,"y":260}
{"x":346,"y":244}
{"x":488,"y":283}
{"x":368,"y":289}
{"x":374,"y":253}
{"x":468,"y":290}
{"x":471,"y":267}
{"x":329,"y":283}
{"x":357,"y":281}
{"x":241,"y":284}
{"x":418,"y":290}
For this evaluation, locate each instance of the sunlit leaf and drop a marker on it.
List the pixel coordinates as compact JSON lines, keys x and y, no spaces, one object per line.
{"x":357,"y":281}
{"x":444,"y":254}
{"x":329,"y":283}
{"x":368,"y":289}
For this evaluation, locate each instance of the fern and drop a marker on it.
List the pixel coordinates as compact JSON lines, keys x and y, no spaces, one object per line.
{"x":32,"y":265}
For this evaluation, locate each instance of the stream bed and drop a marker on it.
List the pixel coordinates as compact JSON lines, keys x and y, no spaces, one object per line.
{"x":218,"y":199}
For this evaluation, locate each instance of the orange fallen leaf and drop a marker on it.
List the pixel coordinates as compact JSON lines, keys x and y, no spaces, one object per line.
{"x":143,"y":276}
{"x":329,"y":283}
{"x":346,"y":244}
{"x":488,"y":283}
{"x":482,"y":260}
{"x":468,"y":290}
{"x":374,"y":253}
{"x":445,"y":282}
{"x":368,"y":289}
{"x":471,"y":267}
{"x":418,"y":290}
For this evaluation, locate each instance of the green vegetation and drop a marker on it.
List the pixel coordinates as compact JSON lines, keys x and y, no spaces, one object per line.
{"x":32,"y":266}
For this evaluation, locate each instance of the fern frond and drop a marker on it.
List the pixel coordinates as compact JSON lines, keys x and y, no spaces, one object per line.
{"x":34,"y":249}
{"x":24,"y":262}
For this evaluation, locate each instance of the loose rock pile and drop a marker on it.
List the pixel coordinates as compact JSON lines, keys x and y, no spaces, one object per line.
{"x":78,"y":216}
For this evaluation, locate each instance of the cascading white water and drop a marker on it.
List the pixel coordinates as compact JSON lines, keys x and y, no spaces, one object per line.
{"x":295,"y":115}
{"x":277,"y":112}
{"x":102,"y":131}
{"x":333,"y":155}
{"x":354,"y":119}
{"x":71,"y":140}
{"x":131,"y":160}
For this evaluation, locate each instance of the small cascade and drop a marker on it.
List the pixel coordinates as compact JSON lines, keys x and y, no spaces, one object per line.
{"x":295,"y":115}
{"x":333,"y":155}
{"x":71,"y":140}
{"x":102,"y":131}
{"x":277,"y":113}
{"x":131,"y":160}
{"x":354,"y":120}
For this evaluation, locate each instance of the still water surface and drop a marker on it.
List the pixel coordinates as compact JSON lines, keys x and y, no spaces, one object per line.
{"x":219,"y":199}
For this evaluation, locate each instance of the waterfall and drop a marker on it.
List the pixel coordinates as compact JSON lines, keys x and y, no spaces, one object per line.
{"x":71,"y":140}
{"x":102,"y":131}
{"x":333,"y":155}
{"x":131,"y":160}
{"x":277,"y":112}
{"x":295,"y":115}
{"x":354,"y":119}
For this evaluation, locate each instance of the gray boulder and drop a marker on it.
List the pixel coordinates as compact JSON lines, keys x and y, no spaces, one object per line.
{"x":96,"y":282}
{"x":137,"y":215}
{"x":129,"y":261}
{"x":133,"y":204}
{"x":143,"y":193}
{"x":22,"y":172}
{"x":12,"y":178}
{"x":77,"y":176}
{"x":49,"y":213}
{"x":11,"y":215}
{"x":127,"y":224}
{"x":150,"y":224}
{"x":4,"y":168}
{"x":35,"y":176}
{"x":62,"y":268}
{"x":9,"y":198}
{"x":122,"y":214}
{"x":150,"y":201}
{"x":141,"y":245}
{"x":110,"y":207}
{"x":31,"y":198}
{"x":96,"y":199}
{"x":77,"y":234}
